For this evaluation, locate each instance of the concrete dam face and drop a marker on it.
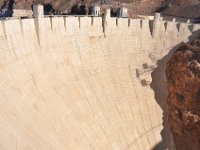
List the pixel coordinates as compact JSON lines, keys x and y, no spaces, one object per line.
{"x":86,"y":83}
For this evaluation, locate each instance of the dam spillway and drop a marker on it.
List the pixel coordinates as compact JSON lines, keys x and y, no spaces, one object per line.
{"x":86,"y":83}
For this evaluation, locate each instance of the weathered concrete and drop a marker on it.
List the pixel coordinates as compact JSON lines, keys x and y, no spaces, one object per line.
{"x":73,"y":86}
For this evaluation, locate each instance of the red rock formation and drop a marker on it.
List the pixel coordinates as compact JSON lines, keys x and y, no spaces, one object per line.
{"x":183,"y":74}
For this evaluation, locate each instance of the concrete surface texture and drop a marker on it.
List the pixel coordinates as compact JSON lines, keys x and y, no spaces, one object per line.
{"x":85,"y":83}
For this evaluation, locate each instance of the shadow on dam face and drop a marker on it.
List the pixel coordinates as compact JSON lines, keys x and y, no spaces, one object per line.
{"x":159,"y":85}
{"x":67,"y":86}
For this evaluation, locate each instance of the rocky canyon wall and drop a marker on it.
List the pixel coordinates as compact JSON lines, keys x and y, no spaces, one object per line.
{"x":183,"y":74}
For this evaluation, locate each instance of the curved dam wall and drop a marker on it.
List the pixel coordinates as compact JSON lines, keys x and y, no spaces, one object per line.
{"x":86,"y":83}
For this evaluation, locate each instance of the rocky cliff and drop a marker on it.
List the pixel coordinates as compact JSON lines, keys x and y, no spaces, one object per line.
{"x":60,"y":5}
{"x":183,"y":74}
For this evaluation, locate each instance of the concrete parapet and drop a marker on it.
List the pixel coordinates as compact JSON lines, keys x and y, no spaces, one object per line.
{"x":40,"y":28}
{"x":123,"y":23}
{"x":2,"y":29}
{"x":27,"y":26}
{"x":10,"y":29}
{"x":171,"y":26}
{"x":96,"y":22}
{"x":155,"y":24}
{"x":145,"y":26}
{"x":160,"y":30}
{"x":72,"y":25}
{"x":58,"y":25}
{"x":85,"y":22}
{"x":135,"y":24}
{"x":110,"y":25}
{"x":185,"y":30}
{"x":106,"y":25}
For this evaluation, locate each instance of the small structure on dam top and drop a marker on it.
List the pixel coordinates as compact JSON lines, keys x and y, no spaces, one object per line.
{"x":123,"y":12}
{"x":38,"y":11}
{"x":22,"y":13}
{"x":107,"y":13}
{"x":96,"y":10}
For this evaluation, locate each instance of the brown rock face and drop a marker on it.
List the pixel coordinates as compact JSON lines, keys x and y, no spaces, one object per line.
{"x":183,"y":74}
{"x":135,"y":6}
{"x":60,"y":5}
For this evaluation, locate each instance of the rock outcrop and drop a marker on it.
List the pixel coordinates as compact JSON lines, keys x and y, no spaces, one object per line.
{"x":58,"y":5}
{"x":147,"y":7}
{"x":183,"y":74}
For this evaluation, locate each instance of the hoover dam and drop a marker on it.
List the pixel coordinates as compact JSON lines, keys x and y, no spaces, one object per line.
{"x":86,"y":83}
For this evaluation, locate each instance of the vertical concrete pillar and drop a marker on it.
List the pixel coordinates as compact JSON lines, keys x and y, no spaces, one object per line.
{"x":38,"y":13}
{"x":123,"y":12}
{"x":106,"y":17}
{"x":174,"y":20}
{"x":188,"y":21}
{"x":155,"y":24}
{"x":157,"y":17}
